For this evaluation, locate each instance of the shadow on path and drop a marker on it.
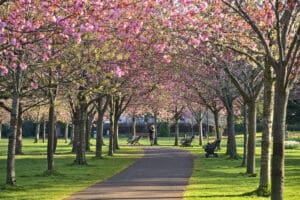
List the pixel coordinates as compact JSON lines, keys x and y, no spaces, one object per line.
{"x":161,"y":174}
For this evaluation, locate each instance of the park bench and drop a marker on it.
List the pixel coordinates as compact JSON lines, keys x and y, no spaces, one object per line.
{"x":187,"y":141}
{"x":144,"y":135}
{"x":211,"y":147}
{"x":134,"y":140}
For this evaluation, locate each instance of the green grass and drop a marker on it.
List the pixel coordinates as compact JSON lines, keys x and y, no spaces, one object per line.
{"x":212,"y":179}
{"x":221,"y":178}
{"x":32,"y":183}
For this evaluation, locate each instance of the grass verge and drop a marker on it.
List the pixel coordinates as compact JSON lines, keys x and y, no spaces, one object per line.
{"x":33,"y":183}
{"x":222,"y":178}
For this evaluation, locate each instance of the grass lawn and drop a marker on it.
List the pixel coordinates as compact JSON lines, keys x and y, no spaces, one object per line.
{"x":213,"y":178}
{"x":221,"y":178}
{"x":33,"y":184}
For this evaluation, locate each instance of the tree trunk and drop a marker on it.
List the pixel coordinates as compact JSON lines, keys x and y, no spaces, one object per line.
{"x":19,"y":145}
{"x":176,"y":132}
{"x":200,"y":130}
{"x":99,"y":139}
{"x":155,"y":130}
{"x":101,"y":108}
{"x":44,"y":131}
{"x":10,"y":162}
{"x":112,"y":125}
{"x":37,"y":132}
{"x":116,"y":135}
{"x":278,"y":130}
{"x":267,"y":121}
{"x":252,"y":138}
{"x":55,"y":135}
{"x":88,"y":134}
{"x":75,"y":130}
{"x":66,"y":132}
{"x":117,"y":116}
{"x":0,"y":130}
{"x":81,"y":143}
{"x":51,"y":133}
{"x":231,"y":143}
{"x":72,"y":134}
{"x":218,"y":136}
{"x":245,"y":144}
{"x":133,"y":125}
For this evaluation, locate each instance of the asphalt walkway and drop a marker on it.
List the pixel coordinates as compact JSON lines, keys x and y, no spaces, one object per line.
{"x":162,"y":174}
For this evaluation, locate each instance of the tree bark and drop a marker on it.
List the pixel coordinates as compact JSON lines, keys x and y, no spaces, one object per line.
{"x":176,"y":131}
{"x":81,"y":143}
{"x":55,"y":135}
{"x":252,"y":138}
{"x":0,"y":130}
{"x":231,"y":143}
{"x":101,"y":108}
{"x":245,"y":143}
{"x":116,"y":135}
{"x":99,"y":139}
{"x":155,"y":130}
{"x":66,"y":132}
{"x":267,"y":121}
{"x":37,"y":132}
{"x":200,"y":131}
{"x":44,"y":131}
{"x":112,"y":124}
{"x":88,"y":134}
{"x":72,"y":135}
{"x":218,"y":135}
{"x":133,"y":125}
{"x":51,"y":133}
{"x":278,"y":130}
{"x":10,"y":163}
{"x":75,"y":130}
{"x":19,"y":145}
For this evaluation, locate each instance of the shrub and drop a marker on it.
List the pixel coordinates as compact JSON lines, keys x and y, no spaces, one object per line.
{"x":164,"y":130}
{"x":292,"y":144}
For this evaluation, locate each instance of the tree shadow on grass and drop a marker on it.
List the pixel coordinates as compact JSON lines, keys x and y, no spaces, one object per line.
{"x":229,"y":195}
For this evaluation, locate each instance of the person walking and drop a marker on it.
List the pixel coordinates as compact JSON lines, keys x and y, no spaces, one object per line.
{"x":151,"y":134}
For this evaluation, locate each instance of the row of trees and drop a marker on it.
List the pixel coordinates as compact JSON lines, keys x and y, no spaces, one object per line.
{"x":87,"y":60}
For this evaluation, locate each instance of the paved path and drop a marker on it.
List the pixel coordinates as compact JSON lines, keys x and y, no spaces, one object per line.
{"x":162,"y":174}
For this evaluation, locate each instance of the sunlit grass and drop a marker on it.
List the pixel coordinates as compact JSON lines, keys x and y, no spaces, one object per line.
{"x":32,"y":183}
{"x":213,"y":178}
{"x":222,"y":178}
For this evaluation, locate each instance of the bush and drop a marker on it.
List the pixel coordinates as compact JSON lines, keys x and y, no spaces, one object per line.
{"x":292,"y":144}
{"x":164,"y":130}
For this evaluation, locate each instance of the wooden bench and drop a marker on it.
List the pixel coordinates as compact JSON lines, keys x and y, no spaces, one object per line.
{"x":187,"y":141}
{"x":134,"y":140}
{"x":211,"y":147}
{"x":144,"y":135}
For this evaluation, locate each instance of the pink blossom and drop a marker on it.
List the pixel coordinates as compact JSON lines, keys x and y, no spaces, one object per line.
{"x":53,"y":19}
{"x":195,"y":41}
{"x":13,"y":41}
{"x":3,"y":24}
{"x":14,"y":65}
{"x":203,"y":38}
{"x":167,"y":58}
{"x":34,"y":85}
{"x":167,"y":23}
{"x":186,"y":2}
{"x":4,"y":70}
{"x":119,"y":73}
{"x":2,"y":40}
{"x":203,"y":6}
{"x":160,"y":47}
{"x":23,"y":66}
